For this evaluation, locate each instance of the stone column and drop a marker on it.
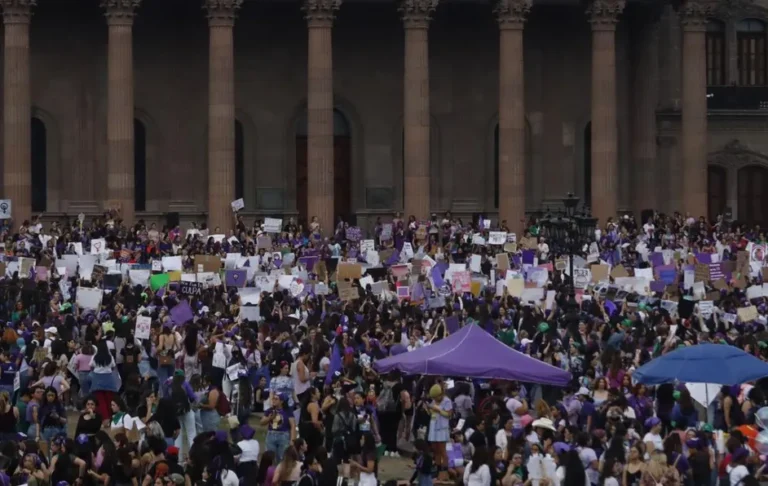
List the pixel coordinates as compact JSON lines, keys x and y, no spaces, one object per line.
{"x":694,"y":16}
{"x":645,"y":99}
{"x":511,"y":16}
{"x":416,"y":115}
{"x":221,"y":112}
{"x":120,"y":143}
{"x":17,"y":112}
{"x":320,"y":162}
{"x":603,"y":16}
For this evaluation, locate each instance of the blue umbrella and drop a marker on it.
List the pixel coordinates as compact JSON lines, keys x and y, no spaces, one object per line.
{"x":719,"y":364}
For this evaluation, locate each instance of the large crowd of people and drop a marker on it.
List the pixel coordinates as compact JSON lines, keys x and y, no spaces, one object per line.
{"x":138,"y":355}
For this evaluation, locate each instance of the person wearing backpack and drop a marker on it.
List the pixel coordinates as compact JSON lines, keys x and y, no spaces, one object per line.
{"x":182,"y":396}
{"x":389,"y":411}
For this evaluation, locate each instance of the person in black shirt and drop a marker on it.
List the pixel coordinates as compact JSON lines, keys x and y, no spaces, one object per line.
{"x":165,"y":415}
{"x":89,"y":422}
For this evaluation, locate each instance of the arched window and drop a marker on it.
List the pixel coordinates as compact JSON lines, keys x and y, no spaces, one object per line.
{"x":716,"y":191}
{"x":750,"y":36}
{"x":39,"y":162}
{"x":753,"y":197}
{"x":588,"y":164}
{"x":715,"y":48}
{"x":139,"y":166}
{"x":239,"y":161}
{"x":342,"y":166}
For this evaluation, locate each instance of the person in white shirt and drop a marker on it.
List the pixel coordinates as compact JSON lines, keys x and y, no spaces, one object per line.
{"x":737,"y":471}
{"x":477,"y":472}
{"x":653,"y":440}
{"x":570,"y":465}
{"x":247,"y":460}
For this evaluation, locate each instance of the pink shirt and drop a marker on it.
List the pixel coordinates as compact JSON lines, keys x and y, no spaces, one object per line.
{"x":83,"y":362}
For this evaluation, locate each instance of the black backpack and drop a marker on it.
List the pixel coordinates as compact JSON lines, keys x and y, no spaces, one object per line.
{"x":181,"y":403}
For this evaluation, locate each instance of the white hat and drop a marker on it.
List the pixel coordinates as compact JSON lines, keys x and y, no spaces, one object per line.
{"x":52,"y":330}
{"x":544,"y":423}
{"x":583,"y":391}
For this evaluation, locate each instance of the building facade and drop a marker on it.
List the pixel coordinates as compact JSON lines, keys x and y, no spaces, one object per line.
{"x":364,"y":108}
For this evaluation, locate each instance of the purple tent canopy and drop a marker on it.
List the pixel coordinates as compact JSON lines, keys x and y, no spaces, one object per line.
{"x":474,"y":353}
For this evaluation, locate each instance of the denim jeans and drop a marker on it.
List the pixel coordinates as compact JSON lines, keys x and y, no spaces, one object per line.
{"x":49,"y":433}
{"x":187,"y":432}
{"x":278,"y":442}
{"x":210,"y":420}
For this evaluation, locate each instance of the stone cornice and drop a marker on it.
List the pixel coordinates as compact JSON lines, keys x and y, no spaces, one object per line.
{"x":17,"y":11}
{"x":417,"y":13}
{"x":320,"y":13}
{"x":120,"y":12}
{"x":727,"y":10}
{"x":604,"y":14}
{"x":512,"y":14}
{"x":222,"y":12}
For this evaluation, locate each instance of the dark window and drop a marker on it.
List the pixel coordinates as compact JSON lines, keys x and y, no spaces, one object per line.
{"x":753,"y":198}
{"x":715,"y":46}
{"x":588,"y":164}
{"x":39,"y":159}
{"x":716,"y":180}
{"x":239,"y":160}
{"x":139,"y":166}
{"x":750,"y":36}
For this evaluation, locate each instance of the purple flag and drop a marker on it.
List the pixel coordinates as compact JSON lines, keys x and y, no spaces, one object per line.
{"x":658,"y":286}
{"x":452,"y":324}
{"x":394,"y":258}
{"x":181,"y":313}
{"x":528,"y":256}
{"x":657,"y":259}
{"x":335,"y":364}
{"x":704,"y":257}
{"x":667,"y":273}
{"x":437,"y":277}
{"x":236,"y":278}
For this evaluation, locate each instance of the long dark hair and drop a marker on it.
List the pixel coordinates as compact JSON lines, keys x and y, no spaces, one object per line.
{"x":479,"y":458}
{"x":102,"y":357}
{"x":190,"y":341}
{"x":574,"y":470}
{"x":607,"y":471}
{"x":267,"y":461}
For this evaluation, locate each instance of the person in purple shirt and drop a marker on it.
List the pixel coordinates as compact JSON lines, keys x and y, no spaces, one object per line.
{"x":183,"y":396}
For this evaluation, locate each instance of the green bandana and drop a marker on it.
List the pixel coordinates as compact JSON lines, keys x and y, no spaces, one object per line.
{"x":543,"y":327}
{"x":118,"y":417}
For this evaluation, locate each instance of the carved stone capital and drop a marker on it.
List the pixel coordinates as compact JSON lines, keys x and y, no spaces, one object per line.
{"x":604,"y":14}
{"x":694,"y":15}
{"x":417,"y":13}
{"x":120,"y":12}
{"x":222,"y":12}
{"x":512,"y":14}
{"x":320,"y":13}
{"x":17,"y":11}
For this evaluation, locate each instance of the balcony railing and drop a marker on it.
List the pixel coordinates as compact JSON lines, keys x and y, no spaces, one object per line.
{"x":737,"y":98}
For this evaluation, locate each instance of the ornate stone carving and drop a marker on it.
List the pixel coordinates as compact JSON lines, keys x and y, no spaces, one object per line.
{"x":737,"y":155}
{"x":120,"y":11}
{"x":17,"y":11}
{"x":417,"y":13}
{"x":738,"y":9}
{"x":512,"y":14}
{"x":604,"y":14}
{"x":222,"y":12}
{"x":694,"y":14}
{"x":321,"y":11}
